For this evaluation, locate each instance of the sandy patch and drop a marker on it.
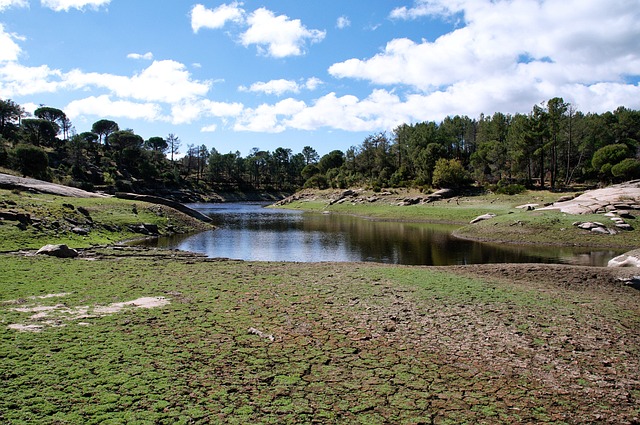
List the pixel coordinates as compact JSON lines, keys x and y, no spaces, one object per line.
{"x":57,"y":314}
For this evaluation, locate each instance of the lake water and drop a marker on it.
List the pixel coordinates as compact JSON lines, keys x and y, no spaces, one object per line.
{"x":247,"y":231}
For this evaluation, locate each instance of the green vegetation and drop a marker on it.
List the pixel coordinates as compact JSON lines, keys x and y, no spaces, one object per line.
{"x":553,"y":146}
{"x":359,"y":343}
{"x":40,"y":219}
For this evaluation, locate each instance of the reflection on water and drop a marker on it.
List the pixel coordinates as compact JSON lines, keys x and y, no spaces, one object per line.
{"x":250,"y":232}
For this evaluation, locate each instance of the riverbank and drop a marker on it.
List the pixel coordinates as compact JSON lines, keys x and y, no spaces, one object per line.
{"x":517,"y":219}
{"x":133,"y":335}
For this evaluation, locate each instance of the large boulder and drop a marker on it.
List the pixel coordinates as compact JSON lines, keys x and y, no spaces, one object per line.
{"x":624,"y":260}
{"x":60,"y":251}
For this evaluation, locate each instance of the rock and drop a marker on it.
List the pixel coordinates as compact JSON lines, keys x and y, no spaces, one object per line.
{"x":566,"y":198}
{"x":60,"y":251}
{"x":80,"y":231}
{"x":482,"y":217}
{"x":624,"y":226}
{"x":588,"y":225}
{"x":528,"y":207}
{"x":69,"y":206}
{"x":15,"y":216}
{"x":624,"y":260}
{"x":600,"y":230}
{"x":444,"y":193}
{"x":626,"y":214}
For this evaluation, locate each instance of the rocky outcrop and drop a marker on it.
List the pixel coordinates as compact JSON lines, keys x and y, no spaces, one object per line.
{"x":22,"y":183}
{"x":482,"y":218}
{"x":619,"y":197}
{"x":167,"y":202}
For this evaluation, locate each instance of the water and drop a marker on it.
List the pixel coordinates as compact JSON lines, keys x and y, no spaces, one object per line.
{"x":247,"y":231}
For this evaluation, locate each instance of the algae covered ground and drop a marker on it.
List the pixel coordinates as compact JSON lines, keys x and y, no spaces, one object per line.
{"x":143,"y":336}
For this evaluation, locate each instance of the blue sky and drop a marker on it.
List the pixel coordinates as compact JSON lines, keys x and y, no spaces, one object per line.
{"x":291,"y":73}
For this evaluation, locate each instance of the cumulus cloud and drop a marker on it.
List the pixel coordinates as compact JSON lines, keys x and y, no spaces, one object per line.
{"x":65,"y":5}
{"x":163,"y":81}
{"x":201,"y":17}
{"x":6,"y":4}
{"x":9,"y":49}
{"x":209,"y":128}
{"x":282,"y":86}
{"x":104,"y":106}
{"x":278,"y":36}
{"x":507,"y":53}
{"x":146,"y":56}
{"x":275,"y":36}
{"x":19,"y":80}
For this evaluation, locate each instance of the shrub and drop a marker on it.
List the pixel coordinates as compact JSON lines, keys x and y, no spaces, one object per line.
{"x":31,"y":161}
{"x":449,"y":173}
{"x":628,"y":169}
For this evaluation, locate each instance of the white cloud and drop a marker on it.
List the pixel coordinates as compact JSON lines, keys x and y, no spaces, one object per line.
{"x":277,"y":87}
{"x":282,"y":86}
{"x":6,"y":4}
{"x":278,"y":36}
{"x":201,"y":17}
{"x":268,"y":118}
{"x":343,"y":22}
{"x":19,"y":80}
{"x":163,"y":81}
{"x":9,"y":49}
{"x":192,"y":110}
{"x":103,"y":106}
{"x":510,"y":55}
{"x":137,"y":56}
{"x":209,"y":129}
{"x":65,"y":5}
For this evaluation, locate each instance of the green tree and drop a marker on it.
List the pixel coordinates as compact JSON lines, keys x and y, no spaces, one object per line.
{"x":56,"y":116}
{"x":310,"y":155}
{"x":157,"y":144}
{"x":31,"y":161}
{"x":103,"y":128}
{"x":449,"y":173}
{"x":605,"y":158}
{"x":10,"y":115}
{"x":39,"y":131}
{"x":627,"y":169}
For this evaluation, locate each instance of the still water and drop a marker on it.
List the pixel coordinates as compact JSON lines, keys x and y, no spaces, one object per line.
{"x":247,"y":231}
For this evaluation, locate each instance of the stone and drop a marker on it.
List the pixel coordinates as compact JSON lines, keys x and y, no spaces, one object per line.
{"x":624,"y":226}
{"x":80,"y":231}
{"x":600,"y":230}
{"x":482,"y":217}
{"x":528,"y":207}
{"x":624,"y":260}
{"x":60,"y":251}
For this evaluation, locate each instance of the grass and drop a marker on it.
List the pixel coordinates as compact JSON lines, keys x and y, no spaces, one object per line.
{"x":354,"y":343}
{"x":108,"y":220}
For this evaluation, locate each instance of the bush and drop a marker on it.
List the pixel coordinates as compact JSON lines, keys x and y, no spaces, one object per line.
{"x":31,"y":161}
{"x":510,"y":189}
{"x":605,"y":158}
{"x":449,"y":173}
{"x":628,"y":169}
{"x":317,"y":181}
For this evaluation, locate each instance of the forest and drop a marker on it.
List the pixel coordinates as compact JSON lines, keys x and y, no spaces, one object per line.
{"x":554,"y":146}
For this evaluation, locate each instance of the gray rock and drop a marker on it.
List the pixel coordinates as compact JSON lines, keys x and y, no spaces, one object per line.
{"x":60,"y":251}
{"x":624,"y":260}
{"x":624,"y":226}
{"x":482,"y":217}
{"x":80,"y":231}
{"x":600,"y":230}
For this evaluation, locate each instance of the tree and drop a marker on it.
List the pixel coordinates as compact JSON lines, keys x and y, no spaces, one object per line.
{"x":56,"y":116}
{"x":31,"y":161}
{"x":607,"y":157}
{"x":627,"y":169}
{"x":449,"y":173}
{"x":310,"y":155}
{"x":40,"y":131}
{"x":333,"y":159}
{"x":103,"y":129}
{"x":173,"y":142}
{"x":10,"y":115}
{"x":157,"y":144}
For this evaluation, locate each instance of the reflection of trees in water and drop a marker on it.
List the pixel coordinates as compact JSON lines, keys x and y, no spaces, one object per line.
{"x":331,"y":237}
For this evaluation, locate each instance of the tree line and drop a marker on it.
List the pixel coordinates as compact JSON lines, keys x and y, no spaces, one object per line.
{"x":553,"y":146}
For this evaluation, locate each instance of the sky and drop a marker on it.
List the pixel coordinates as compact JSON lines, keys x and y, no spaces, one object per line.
{"x":238,"y":75}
